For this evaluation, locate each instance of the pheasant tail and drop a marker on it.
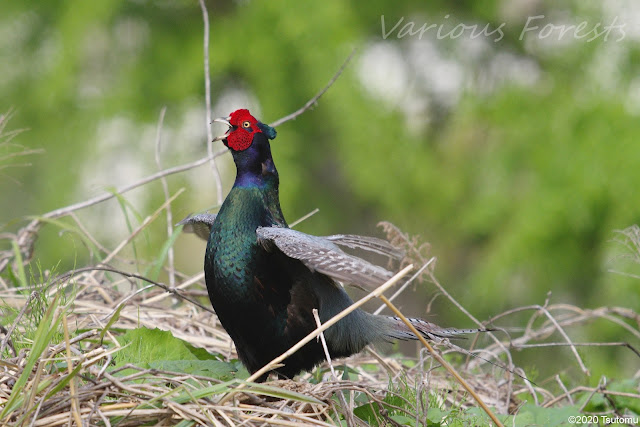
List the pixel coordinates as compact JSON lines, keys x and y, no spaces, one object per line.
{"x":399,"y":330}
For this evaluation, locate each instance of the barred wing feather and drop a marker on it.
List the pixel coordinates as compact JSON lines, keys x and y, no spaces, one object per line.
{"x":322,"y":255}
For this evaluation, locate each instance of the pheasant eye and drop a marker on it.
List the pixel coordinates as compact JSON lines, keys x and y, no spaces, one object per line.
{"x":246,"y":124}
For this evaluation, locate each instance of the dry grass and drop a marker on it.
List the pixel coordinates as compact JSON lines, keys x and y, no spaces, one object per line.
{"x":73,"y":378}
{"x":90,"y":389}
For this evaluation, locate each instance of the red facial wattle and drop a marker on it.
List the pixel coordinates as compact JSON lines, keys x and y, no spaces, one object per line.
{"x":246,"y":126}
{"x":243,"y":128}
{"x":239,"y":140}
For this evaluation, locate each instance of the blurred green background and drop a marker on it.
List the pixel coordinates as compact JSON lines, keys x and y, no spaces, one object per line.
{"x":513,"y":150}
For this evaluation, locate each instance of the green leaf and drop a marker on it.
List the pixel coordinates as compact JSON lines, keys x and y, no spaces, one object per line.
{"x":368,"y":413}
{"x":403,"y":420}
{"x":435,"y":415}
{"x":114,"y":318}
{"x":201,"y":353}
{"x":125,"y":206}
{"x":67,"y":378}
{"x":144,"y":345}
{"x":205,"y":392}
{"x":625,"y":402}
{"x":22,"y":277}
{"x":531,"y":414}
{"x":158,"y":349}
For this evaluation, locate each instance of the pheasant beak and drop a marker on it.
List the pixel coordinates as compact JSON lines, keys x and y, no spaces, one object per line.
{"x":224,"y":120}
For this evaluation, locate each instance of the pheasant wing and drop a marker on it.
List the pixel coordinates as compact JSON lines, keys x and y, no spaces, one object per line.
{"x":322,"y":255}
{"x":199,"y":224}
{"x":371,"y":244}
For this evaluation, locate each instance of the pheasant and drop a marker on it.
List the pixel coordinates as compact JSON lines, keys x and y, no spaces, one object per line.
{"x":264,"y":278}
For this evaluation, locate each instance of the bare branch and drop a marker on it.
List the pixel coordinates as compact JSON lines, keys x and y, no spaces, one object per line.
{"x":174,"y":291}
{"x":315,"y":99}
{"x":580,"y":344}
{"x":125,"y":188}
{"x":165,"y":189}
{"x":207,"y":97}
{"x":404,"y":286}
{"x":566,"y":337}
{"x":443,"y":362}
{"x":348,"y":411}
{"x":304,"y":217}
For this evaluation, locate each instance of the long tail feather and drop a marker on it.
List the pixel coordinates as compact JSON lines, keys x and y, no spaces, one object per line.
{"x":433,"y":332}
{"x":399,"y":330}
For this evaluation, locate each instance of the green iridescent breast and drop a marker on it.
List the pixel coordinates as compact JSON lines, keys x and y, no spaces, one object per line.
{"x":232,"y":248}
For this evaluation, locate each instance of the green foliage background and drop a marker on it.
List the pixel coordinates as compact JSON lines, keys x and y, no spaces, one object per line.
{"x":518,"y":179}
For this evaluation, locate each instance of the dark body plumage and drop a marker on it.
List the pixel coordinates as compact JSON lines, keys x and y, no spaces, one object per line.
{"x":264,"y":279}
{"x":264,"y":299}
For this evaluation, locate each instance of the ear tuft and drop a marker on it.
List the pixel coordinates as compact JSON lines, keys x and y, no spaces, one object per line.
{"x":268,"y":131}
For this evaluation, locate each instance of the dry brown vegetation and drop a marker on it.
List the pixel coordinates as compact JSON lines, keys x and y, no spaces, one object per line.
{"x":65,"y":333}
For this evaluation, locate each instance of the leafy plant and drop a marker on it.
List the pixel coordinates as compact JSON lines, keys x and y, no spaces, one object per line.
{"x":158,"y":349}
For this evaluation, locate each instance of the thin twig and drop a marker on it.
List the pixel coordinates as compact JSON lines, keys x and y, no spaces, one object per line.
{"x":125,"y":188}
{"x":348,"y":414}
{"x":304,"y":217}
{"x":564,"y":388}
{"x":207,"y":97}
{"x":443,"y":362}
{"x":126,"y":299}
{"x":583,"y":316}
{"x":165,"y":189}
{"x":592,"y":391}
{"x":557,"y":327}
{"x":185,"y":284}
{"x":173,"y":291}
{"x":87,"y":234}
{"x":601,"y":387}
{"x":141,"y":227}
{"x":497,"y":341}
{"x":323,"y":341}
{"x":404,"y":286}
{"x":310,"y":103}
{"x":579,"y":344}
